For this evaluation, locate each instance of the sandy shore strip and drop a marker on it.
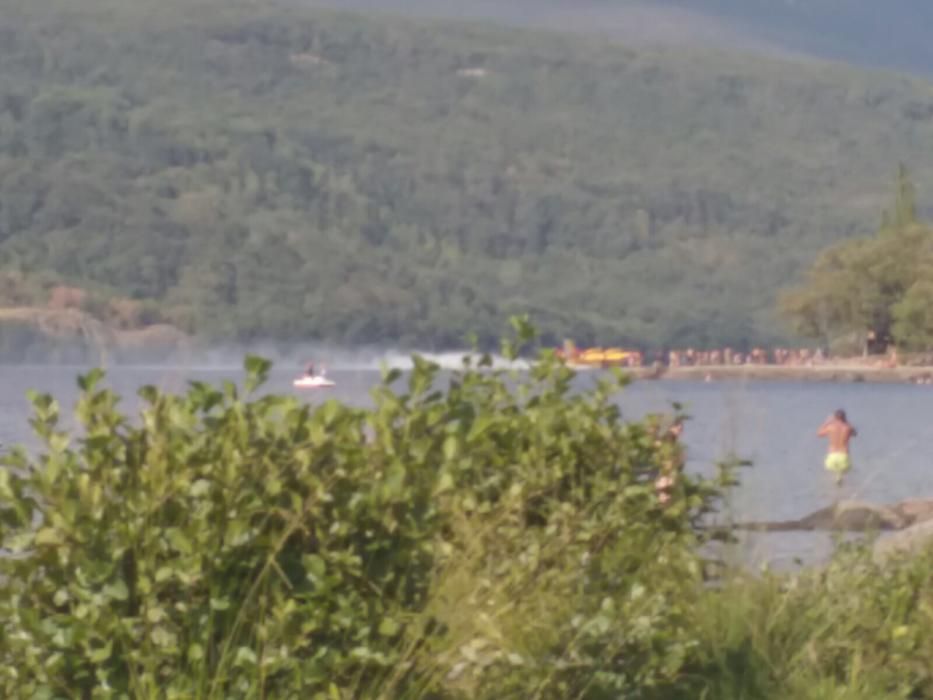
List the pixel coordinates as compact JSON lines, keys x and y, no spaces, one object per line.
{"x":818,"y":373}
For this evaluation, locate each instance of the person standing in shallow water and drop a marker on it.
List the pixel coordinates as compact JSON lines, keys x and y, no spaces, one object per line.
{"x":839,"y":432}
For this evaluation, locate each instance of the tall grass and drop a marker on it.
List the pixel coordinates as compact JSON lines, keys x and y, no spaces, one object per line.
{"x":853,"y":629}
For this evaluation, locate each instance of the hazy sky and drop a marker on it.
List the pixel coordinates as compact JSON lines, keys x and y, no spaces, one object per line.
{"x":631,"y":20}
{"x":887,"y":33}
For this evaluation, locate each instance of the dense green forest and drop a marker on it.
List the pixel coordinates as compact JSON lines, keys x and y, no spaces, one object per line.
{"x":266,"y":171}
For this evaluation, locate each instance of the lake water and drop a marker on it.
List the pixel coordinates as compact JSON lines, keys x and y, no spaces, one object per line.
{"x":771,"y":424}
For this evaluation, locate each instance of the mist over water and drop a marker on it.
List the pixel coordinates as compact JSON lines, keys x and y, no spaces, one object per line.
{"x":284,"y":356}
{"x":296,"y":358}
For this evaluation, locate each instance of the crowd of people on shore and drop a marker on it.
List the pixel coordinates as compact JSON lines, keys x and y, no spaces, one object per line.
{"x":776,"y":357}
{"x":757,"y":356}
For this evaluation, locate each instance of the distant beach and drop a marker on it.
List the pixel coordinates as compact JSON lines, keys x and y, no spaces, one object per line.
{"x":830,"y":372}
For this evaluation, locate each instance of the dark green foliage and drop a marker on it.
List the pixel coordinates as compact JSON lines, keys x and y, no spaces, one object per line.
{"x":880,"y":287}
{"x":853,"y":630}
{"x":265,"y":171}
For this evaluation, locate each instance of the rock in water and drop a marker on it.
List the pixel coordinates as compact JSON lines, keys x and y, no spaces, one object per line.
{"x":854,"y":516}
{"x":857,"y":516}
{"x":915,"y":510}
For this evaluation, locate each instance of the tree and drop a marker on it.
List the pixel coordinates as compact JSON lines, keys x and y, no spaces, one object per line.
{"x":913,"y":315}
{"x":905,"y":203}
{"x":870,"y":288}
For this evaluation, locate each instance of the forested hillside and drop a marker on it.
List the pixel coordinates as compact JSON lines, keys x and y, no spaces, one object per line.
{"x":287,"y":173}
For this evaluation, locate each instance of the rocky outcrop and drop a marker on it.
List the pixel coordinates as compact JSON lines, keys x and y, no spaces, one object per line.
{"x":853,"y":516}
{"x":856,"y":516}
{"x":907,"y":525}
{"x":915,"y":510}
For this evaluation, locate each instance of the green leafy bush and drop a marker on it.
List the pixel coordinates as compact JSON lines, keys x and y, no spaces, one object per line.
{"x":856,"y":629}
{"x":480,"y":535}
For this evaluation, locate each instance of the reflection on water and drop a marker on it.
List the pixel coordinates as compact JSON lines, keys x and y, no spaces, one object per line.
{"x":773,"y":425}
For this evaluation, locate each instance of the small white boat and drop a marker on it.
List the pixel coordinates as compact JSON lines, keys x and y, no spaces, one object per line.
{"x":315,"y":382}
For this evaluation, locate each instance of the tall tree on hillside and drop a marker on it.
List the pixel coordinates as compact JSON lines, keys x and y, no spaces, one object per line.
{"x":904,"y":212}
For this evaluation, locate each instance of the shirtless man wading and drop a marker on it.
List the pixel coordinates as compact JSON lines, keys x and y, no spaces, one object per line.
{"x":839,"y":432}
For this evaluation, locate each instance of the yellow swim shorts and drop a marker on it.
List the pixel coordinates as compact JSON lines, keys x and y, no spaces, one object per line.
{"x":838,"y":462}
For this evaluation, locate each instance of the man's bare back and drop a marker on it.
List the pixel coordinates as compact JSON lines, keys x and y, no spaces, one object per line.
{"x":839,"y":432}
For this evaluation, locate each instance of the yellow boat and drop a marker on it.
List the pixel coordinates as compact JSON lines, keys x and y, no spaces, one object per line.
{"x":596,"y":357}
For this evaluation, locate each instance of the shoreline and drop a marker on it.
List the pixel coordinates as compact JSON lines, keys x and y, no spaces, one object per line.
{"x":853,"y":374}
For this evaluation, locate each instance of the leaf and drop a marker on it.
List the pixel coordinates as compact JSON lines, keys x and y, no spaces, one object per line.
{"x":149,"y":394}
{"x":61,"y":597}
{"x":102,"y":654}
{"x":330,"y":411}
{"x":162,"y":637}
{"x":49,"y":536}
{"x":117,"y":590}
{"x":390,"y":376}
{"x":482,"y":423}
{"x":195,"y":653}
{"x":389,"y":627}
{"x":178,"y":540}
{"x":637,"y":490}
{"x":395,"y":480}
{"x":164,"y":574}
{"x":200,"y":488}
{"x":257,"y":372}
{"x":314,"y":565}
{"x":444,"y":483}
{"x":451,"y":447}
{"x":245,"y":656}
{"x":220,"y":604}
{"x":6,"y":490}
{"x":525,"y":332}
{"x":89,"y":381}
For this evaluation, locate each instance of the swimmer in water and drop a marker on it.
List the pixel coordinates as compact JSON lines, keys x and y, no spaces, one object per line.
{"x":839,"y":432}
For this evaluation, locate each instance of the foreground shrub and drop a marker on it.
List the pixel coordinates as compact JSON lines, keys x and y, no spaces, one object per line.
{"x":482,"y":535}
{"x":855,"y":629}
